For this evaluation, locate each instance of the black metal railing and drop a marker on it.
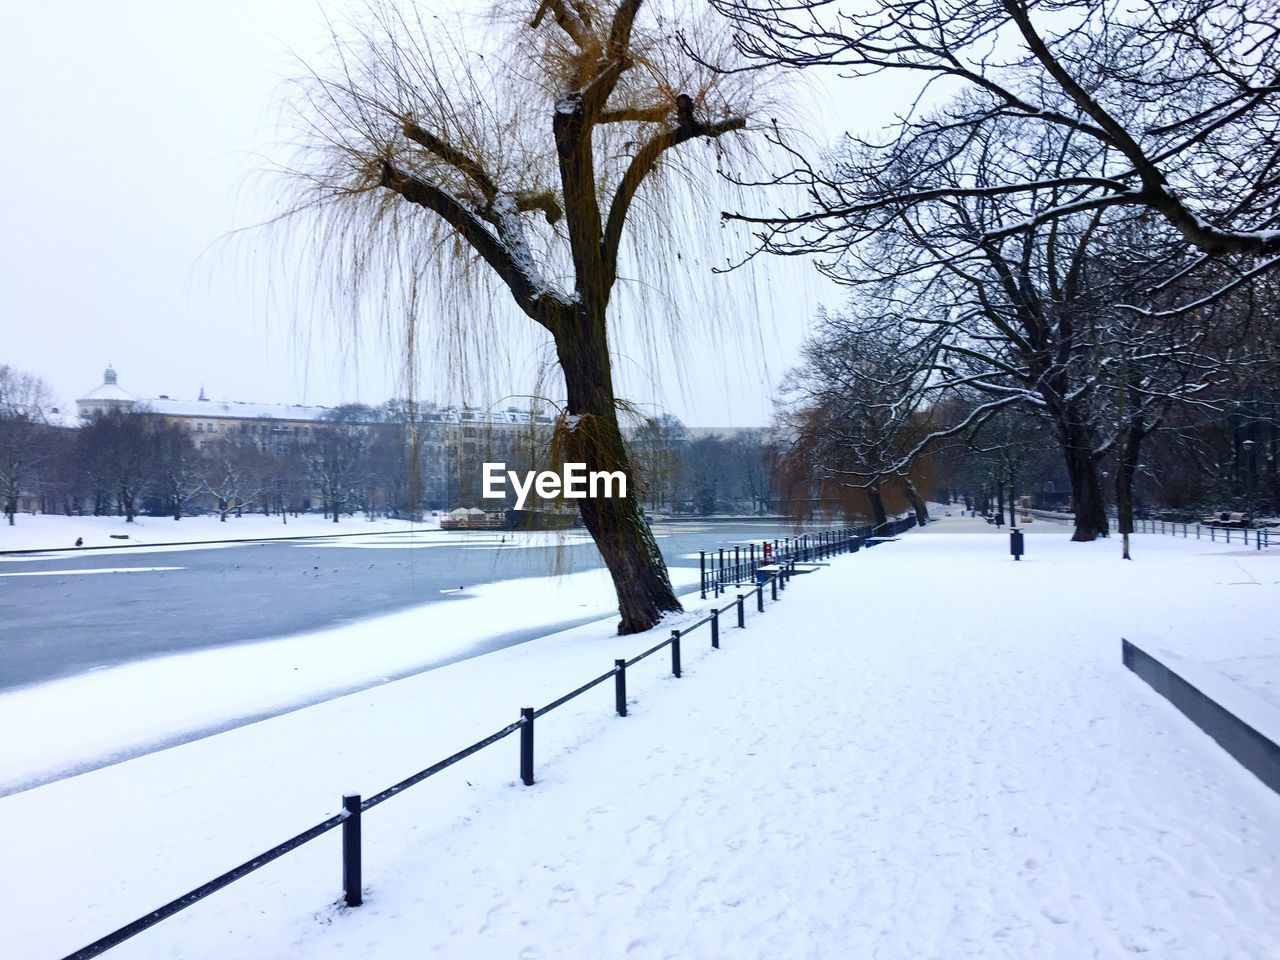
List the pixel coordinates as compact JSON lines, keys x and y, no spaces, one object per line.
{"x":1259,"y":537}
{"x":891,"y":528}
{"x":809,"y":547}
{"x":731,"y":567}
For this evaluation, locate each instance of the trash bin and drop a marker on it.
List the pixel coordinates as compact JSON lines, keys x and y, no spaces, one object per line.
{"x":762,"y":576}
{"x":1015,"y":543}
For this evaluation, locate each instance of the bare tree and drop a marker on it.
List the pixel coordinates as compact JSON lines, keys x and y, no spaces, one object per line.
{"x":333,"y":462}
{"x":23,"y":401}
{"x":424,"y":162}
{"x":658,"y":448}
{"x":179,"y":474}
{"x":856,"y":407}
{"x":234,"y":475}
{"x":1171,"y":106}
{"x":117,"y":455}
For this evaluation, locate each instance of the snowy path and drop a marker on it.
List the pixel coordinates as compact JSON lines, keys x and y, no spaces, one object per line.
{"x":919,"y":753}
{"x":931,"y":794}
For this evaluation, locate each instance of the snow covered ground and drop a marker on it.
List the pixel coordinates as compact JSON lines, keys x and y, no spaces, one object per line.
{"x":133,"y":710}
{"x":926,"y":750}
{"x":55,"y":532}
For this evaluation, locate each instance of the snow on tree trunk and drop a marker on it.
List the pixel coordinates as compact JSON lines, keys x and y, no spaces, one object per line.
{"x":617,"y":524}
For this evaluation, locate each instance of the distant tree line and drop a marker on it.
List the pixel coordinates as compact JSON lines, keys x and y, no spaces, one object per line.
{"x":376,"y":461}
{"x":358,"y":459}
{"x":731,"y":472}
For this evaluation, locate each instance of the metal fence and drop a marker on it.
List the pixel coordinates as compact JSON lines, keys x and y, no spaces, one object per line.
{"x":1260,"y":537}
{"x":733,"y":566}
{"x":810,"y":547}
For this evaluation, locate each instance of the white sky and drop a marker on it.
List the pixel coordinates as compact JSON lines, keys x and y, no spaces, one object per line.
{"x":134,"y":130}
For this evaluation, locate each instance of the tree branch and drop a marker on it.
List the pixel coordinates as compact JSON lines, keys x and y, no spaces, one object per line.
{"x":642,"y":164}
{"x":537,"y":303}
{"x":468,"y":166}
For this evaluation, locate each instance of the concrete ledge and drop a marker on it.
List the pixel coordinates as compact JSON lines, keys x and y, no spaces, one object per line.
{"x":1244,"y":725}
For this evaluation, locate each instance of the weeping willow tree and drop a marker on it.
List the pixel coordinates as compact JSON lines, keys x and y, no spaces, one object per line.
{"x":436,"y":179}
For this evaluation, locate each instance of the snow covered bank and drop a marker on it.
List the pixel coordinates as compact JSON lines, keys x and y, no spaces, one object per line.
{"x":925,"y":751}
{"x":55,"y":532}
{"x":166,"y":700}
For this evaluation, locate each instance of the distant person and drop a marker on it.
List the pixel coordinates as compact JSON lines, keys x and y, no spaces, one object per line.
{"x":79,"y":541}
{"x":999,"y":519}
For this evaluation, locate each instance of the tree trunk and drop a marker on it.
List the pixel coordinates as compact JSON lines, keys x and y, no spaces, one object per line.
{"x":1126,"y":470}
{"x":917,"y":501}
{"x":879,"y":517}
{"x":592,"y":437}
{"x":1086,"y":488}
{"x":1013,"y":498}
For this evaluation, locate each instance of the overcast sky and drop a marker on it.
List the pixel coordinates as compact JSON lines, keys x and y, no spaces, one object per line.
{"x":134,"y":131}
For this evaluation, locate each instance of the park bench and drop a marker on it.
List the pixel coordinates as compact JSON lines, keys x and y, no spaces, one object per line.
{"x":1225,"y":518}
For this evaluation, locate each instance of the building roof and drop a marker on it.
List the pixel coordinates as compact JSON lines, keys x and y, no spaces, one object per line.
{"x":234,"y":409}
{"x":108,"y":390}
{"x":477,"y":415}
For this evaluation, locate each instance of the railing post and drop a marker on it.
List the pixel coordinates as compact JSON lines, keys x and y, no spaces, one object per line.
{"x":675,"y":653}
{"x":742,"y":616}
{"x":702,"y":568}
{"x":773,"y":583}
{"x":526,"y":746}
{"x":760,"y":598}
{"x":715,"y":629}
{"x":737,"y":565}
{"x":351,"y":882}
{"x":620,"y":687}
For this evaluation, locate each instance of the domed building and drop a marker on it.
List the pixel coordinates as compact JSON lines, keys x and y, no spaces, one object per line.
{"x":106,"y":397}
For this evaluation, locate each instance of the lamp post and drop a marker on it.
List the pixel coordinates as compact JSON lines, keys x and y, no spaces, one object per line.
{"x":1250,"y":475}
